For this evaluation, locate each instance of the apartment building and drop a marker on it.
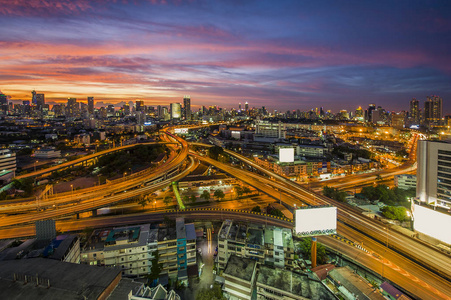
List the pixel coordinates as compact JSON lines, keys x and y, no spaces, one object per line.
{"x":132,"y":249}
{"x":239,"y":277}
{"x":264,"y":244}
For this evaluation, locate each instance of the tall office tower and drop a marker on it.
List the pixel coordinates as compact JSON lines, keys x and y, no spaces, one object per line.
{"x":246,"y":106}
{"x":126,"y":109}
{"x":72,"y":107}
{"x":91,"y":105}
{"x":33,"y":97}
{"x":433,"y":110}
{"x":359,"y":114}
{"x":187,"y":107}
{"x":176,"y":111}
{"x":159,"y":111}
{"x":3,"y":99}
{"x":414,"y":116}
{"x":431,"y":215}
{"x":40,"y":101}
{"x":239,"y":106}
{"x":140,"y":105}
{"x":371,"y":108}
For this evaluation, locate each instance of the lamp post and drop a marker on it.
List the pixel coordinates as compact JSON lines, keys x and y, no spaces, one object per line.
{"x":72,"y":189}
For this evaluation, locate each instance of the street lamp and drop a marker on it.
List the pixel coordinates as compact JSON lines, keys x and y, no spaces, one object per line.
{"x":35,"y":165}
{"x":155,"y":204}
{"x":72,"y":189}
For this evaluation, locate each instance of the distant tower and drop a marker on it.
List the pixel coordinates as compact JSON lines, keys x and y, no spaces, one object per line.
{"x":246,"y":106}
{"x":371,"y":108}
{"x":187,"y":107}
{"x":40,"y":101}
{"x":433,"y":109}
{"x":33,"y":97}
{"x":176,"y":111}
{"x":91,"y":105}
{"x":239,"y":106}
{"x":414,"y":111}
{"x":72,"y":107}
{"x":139,"y":105}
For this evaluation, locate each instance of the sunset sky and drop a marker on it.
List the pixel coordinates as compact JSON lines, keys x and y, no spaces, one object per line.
{"x":279,"y":54}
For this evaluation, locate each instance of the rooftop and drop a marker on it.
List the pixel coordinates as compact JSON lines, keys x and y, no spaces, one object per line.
{"x":255,"y":236}
{"x":180,"y":228}
{"x":240,"y":267}
{"x":294,"y":283}
{"x":67,"y":280}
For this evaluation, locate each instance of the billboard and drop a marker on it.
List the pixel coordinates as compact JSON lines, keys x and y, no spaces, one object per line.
{"x":181,"y":130}
{"x":286,"y":154}
{"x":316,"y":221}
{"x":433,"y":223}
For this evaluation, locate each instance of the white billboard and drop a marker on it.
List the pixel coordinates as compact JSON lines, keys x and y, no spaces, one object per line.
{"x":236,"y":134}
{"x":286,"y":154}
{"x":432,"y":223}
{"x":316,"y":221}
{"x":181,"y":130}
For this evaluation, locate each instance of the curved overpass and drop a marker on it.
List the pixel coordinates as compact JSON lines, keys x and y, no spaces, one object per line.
{"x":84,"y":159}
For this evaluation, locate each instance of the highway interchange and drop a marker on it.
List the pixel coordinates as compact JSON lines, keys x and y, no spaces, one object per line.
{"x":423,"y":272}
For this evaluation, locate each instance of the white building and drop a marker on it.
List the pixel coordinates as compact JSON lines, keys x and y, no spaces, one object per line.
{"x":268,"y":132}
{"x":434,"y":173}
{"x":239,"y":276}
{"x":7,"y":161}
{"x":176,"y":111}
{"x":406,"y":181}
{"x":47,"y":153}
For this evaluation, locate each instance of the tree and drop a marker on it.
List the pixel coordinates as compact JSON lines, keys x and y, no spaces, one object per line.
{"x":155,"y":269}
{"x":192,"y":198}
{"x":215,"y":151}
{"x":167,"y":200}
{"x":214,"y":293}
{"x":378,"y":177}
{"x":334,"y":193}
{"x":256,"y":209}
{"x":394,"y":212}
{"x":246,"y":190}
{"x":239,"y":191}
{"x":305,"y":246}
{"x":185,"y":198}
{"x":143,"y":200}
{"x":276,"y":212}
{"x":205,"y":195}
{"x":219,"y":194}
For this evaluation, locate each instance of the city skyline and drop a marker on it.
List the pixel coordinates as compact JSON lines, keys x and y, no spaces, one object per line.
{"x":290,"y":56}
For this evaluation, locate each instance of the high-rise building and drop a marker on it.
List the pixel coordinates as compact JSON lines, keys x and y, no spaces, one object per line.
{"x":246,"y":106}
{"x":33,"y":97}
{"x":414,"y":116}
{"x":239,"y":106}
{"x":433,"y":110}
{"x":72,"y":107}
{"x":359,"y":114}
{"x":91,"y":105}
{"x":371,"y":108}
{"x":40,"y":101}
{"x":187,"y":107}
{"x":434,"y":173}
{"x":176,"y":111}
{"x":139,"y":105}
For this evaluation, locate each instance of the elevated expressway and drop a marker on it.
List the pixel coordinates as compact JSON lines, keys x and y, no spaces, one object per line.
{"x":422,"y":269}
{"x":93,"y":198}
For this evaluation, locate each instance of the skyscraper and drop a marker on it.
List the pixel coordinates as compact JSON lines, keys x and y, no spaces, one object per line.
{"x":433,"y":110}
{"x":371,"y":108}
{"x":176,"y":111}
{"x":246,"y":106}
{"x":187,"y":107}
{"x":139,"y":105}
{"x":72,"y":107}
{"x":359,"y":114}
{"x":414,"y":112}
{"x":33,"y":97}
{"x":91,"y":105}
{"x":40,"y":101}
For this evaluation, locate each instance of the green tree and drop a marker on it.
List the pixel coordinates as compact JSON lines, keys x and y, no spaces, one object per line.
{"x":192,"y":198}
{"x":305,"y":246}
{"x":334,"y":193}
{"x":205,"y":195}
{"x":257,"y":209}
{"x":185,"y":198}
{"x":246,"y":190}
{"x":239,"y":191}
{"x":395,"y":212}
{"x":143,"y":200}
{"x":167,"y":200}
{"x":214,"y":293}
{"x":276,"y":212}
{"x":155,"y":268}
{"x":215,"y":151}
{"x":219,"y":194}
